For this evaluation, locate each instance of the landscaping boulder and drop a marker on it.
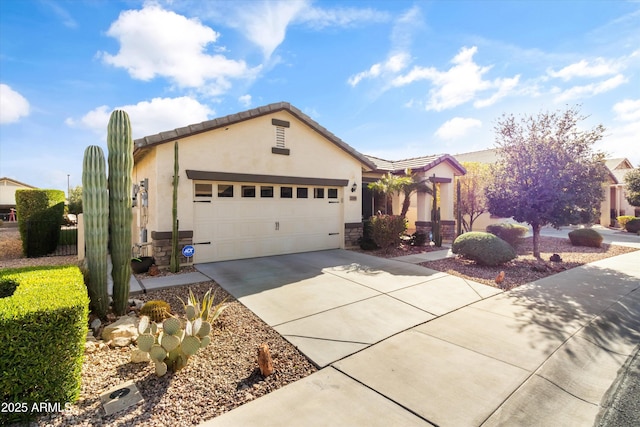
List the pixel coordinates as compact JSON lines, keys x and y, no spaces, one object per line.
{"x":124,"y":327}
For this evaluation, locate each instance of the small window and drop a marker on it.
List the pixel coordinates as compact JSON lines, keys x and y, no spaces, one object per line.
{"x":302,"y":192}
{"x":248,"y":191}
{"x":266,"y":191}
{"x":204,"y":190}
{"x":225,"y":190}
{"x":332,"y":193}
{"x":318,"y":193}
{"x":286,"y":192}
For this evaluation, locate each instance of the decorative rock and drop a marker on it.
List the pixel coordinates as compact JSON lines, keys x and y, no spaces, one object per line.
{"x":124,"y":327}
{"x":154,"y":270}
{"x":90,"y":337}
{"x":95,"y":324}
{"x":264,"y":360}
{"x":500,"y":278}
{"x":139,"y":356}
{"x":136,"y":303}
{"x":120,"y":342}
{"x":90,"y":347}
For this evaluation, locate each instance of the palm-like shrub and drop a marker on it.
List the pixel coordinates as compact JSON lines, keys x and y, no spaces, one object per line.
{"x":483,"y":248}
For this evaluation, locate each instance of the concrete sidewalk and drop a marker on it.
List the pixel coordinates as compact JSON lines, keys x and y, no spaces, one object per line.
{"x":541,"y":354}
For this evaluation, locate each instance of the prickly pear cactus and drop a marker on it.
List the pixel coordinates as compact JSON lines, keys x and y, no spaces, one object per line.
{"x":171,"y":347}
{"x":120,"y":145}
{"x":95,"y":198}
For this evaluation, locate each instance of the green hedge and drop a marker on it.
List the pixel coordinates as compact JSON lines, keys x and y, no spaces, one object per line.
{"x":585,"y":237}
{"x":40,"y":214}
{"x":633,"y":225}
{"x":622,"y":220}
{"x":43,"y":328}
{"x":510,"y":233}
{"x":387,"y":230}
{"x":483,"y":248}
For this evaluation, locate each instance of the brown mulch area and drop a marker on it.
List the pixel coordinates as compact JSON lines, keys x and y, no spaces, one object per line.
{"x":525,"y":268}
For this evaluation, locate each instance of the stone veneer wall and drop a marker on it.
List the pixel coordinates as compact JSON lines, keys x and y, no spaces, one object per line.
{"x":161,"y":246}
{"x":448,"y":228}
{"x":352,"y":234}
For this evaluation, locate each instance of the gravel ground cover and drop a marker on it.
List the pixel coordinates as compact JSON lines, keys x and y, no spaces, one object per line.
{"x":220,"y":377}
{"x":525,"y":268}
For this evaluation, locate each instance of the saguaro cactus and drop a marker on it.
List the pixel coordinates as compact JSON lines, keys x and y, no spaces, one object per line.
{"x":95,"y":199}
{"x":120,"y":147}
{"x":174,"y":264}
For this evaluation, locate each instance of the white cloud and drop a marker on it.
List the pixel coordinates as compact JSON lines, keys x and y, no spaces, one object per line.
{"x":148,"y":117}
{"x":457,"y":127}
{"x":245,"y":100}
{"x":459,"y":84}
{"x":13,"y":106}
{"x":627,"y":110}
{"x":591,"y":89}
{"x":157,"y":42}
{"x":318,"y":18}
{"x":392,"y":65}
{"x":597,"y":68}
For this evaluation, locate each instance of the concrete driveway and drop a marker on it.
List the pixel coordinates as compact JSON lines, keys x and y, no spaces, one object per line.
{"x":331,"y":304}
{"x":404,"y":345}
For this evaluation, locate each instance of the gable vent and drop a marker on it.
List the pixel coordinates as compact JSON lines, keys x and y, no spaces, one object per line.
{"x":279,"y":137}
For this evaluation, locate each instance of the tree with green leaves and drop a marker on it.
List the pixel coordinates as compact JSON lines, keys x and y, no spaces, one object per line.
{"x":472,"y":201}
{"x":75,"y":200}
{"x":388,"y":185}
{"x":632,"y":186}
{"x":547,"y":172}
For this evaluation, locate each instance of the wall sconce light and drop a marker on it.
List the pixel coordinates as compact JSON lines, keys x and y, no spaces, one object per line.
{"x":354,"y":187}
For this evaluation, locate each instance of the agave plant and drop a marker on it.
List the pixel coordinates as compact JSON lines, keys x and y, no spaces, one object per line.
{"x":171,"y":346}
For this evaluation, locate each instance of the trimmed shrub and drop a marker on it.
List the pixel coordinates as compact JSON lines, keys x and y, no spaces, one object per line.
{"x":419,"y":239}
{"x":366,"y":242}
{"x":633,"y":226}
{"x":43,"y":328}
{"x":386,"y":230}
{"x":622,"y":220}
{"x":483,"y":248}
{"x":585,"y":237}
{"x":510,"y":233}
{"x":40,"y":215}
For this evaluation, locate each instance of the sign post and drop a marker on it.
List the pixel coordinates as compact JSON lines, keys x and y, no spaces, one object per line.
{"x":188,"y":252}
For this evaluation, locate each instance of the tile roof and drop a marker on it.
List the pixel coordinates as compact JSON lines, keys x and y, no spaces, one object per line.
{"x":416,"y":164}
{"x":141,"y":144}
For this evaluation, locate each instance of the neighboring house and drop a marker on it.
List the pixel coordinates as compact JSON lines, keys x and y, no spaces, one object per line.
{"x":266,"y":181}
{"x":441,"y":169}
{"x":613,"y":205}
{"x":8,"y":189}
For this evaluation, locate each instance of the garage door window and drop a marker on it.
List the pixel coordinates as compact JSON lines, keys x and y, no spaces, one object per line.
{"x":332,"y":193}
{"x":248,"y":191}
{"x":302,"y":192}
{"x":225,"y":190}
{"x":286,"y":192}
{"x":204,"y":190}
{"x":318,"y":193}
{"x":266,"y":191}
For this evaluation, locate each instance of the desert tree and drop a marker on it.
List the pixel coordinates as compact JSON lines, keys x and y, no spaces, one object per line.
{"x":472,"y":201}
{"x":632,"y":187}
{"x":547,"y":171}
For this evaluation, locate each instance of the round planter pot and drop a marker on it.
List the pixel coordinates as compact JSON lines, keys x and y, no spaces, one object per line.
{"x":142,"y":266}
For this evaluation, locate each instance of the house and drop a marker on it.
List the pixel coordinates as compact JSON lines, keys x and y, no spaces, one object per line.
{"x":266,"y":181}
{"x":8,"y":189}
{"x":439,"y":169}
{"x":613,"y":205}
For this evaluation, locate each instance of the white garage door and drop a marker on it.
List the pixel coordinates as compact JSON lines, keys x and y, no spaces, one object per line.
{"x":247,"y":220}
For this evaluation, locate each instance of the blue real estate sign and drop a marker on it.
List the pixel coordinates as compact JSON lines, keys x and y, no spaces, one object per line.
{"x":188,"y":251}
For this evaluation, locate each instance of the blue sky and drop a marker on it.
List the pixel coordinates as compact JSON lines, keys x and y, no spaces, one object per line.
{"x":394,"y":79}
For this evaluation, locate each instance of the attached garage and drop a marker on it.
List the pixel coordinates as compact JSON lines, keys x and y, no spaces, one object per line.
{"x":263,"y":182}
